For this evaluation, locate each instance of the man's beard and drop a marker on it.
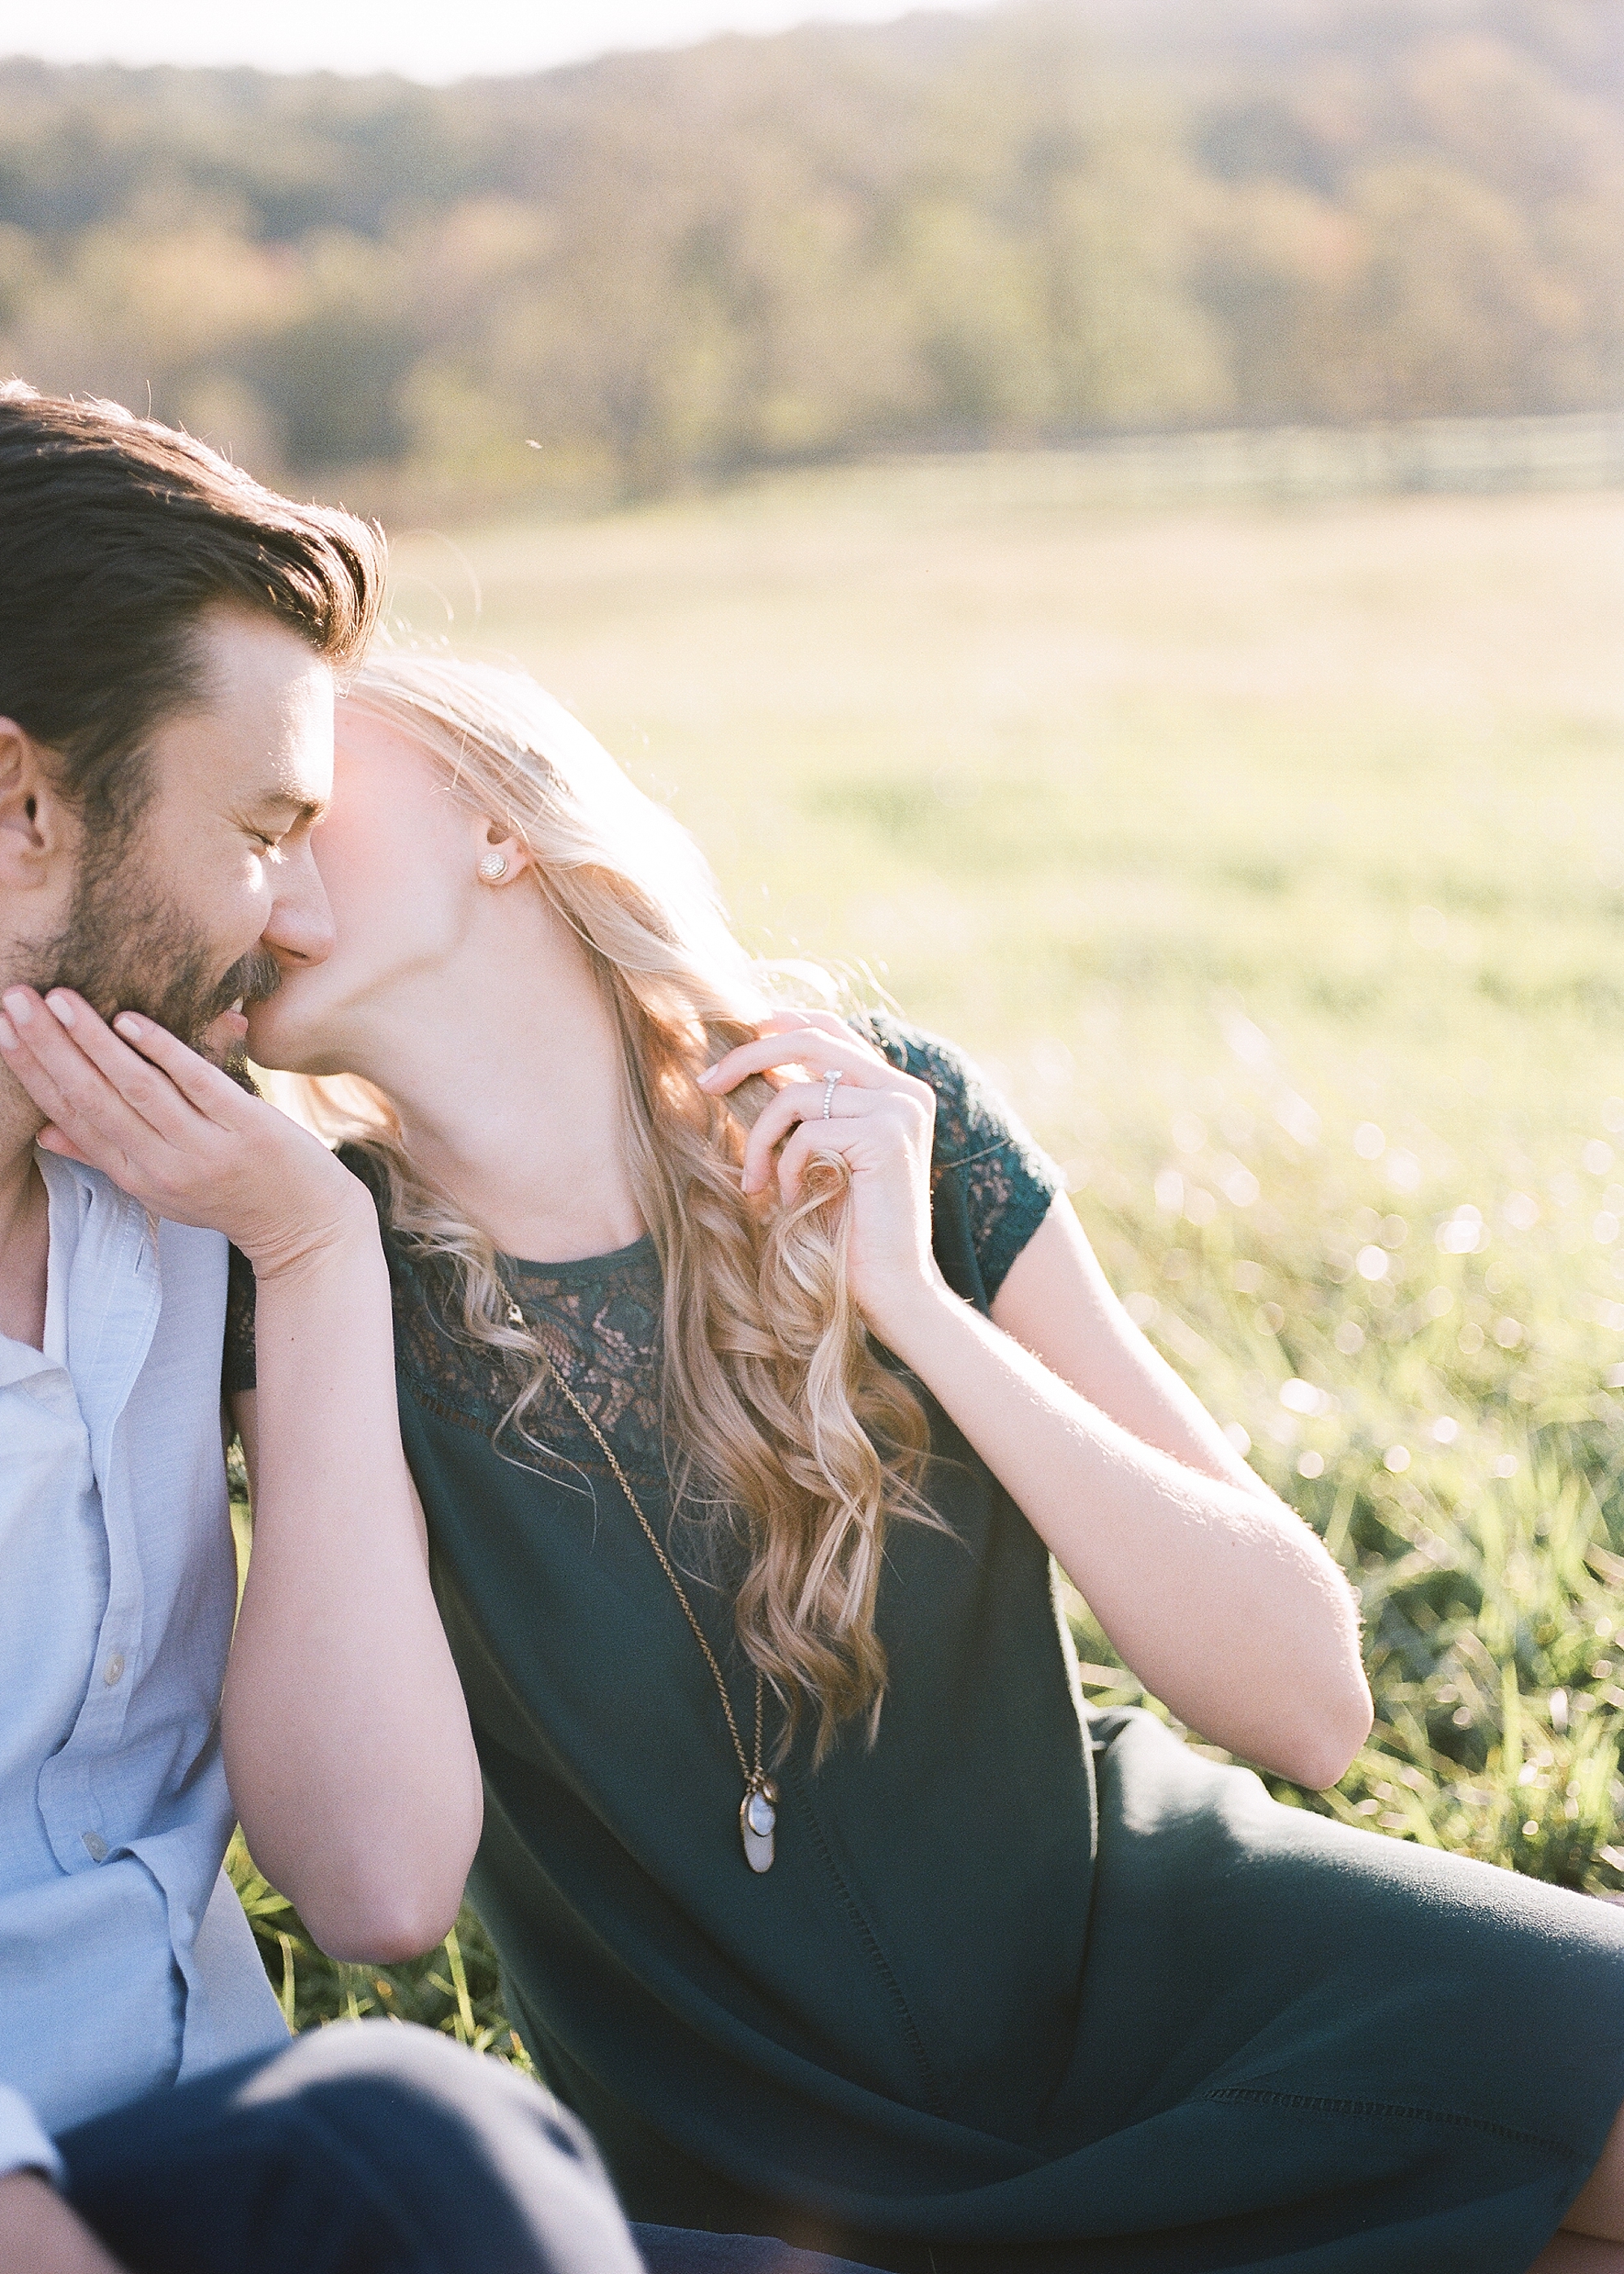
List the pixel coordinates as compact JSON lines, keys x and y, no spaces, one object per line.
{"x":127,"y":947}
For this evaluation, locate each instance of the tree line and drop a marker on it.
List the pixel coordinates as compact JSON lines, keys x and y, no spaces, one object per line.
{"x":1052,"y":220}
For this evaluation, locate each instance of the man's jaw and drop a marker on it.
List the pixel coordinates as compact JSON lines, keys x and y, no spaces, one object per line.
{"x":126,"y":947}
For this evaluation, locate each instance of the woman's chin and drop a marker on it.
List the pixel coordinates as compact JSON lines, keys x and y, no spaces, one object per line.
{"x":276,"y":1039}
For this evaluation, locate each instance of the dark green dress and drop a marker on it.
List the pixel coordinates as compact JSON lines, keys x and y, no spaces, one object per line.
{"x":1026,"y":1988}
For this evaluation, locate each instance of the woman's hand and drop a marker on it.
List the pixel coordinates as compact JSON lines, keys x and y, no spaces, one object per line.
{"x":176,"y":1133}
{"x":877,"y":1120}
{"x":346,"y":1736}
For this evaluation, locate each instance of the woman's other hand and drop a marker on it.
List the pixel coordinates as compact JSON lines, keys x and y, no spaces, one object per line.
{"x":1216,"y":1595}
{"x":176,"y":1133}
{"x":877,"y":1119}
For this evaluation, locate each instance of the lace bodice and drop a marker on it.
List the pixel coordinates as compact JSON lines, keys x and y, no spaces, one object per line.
{"x":599,"y":1321}
{"x":641,"y":1956}
{"x":602,"y":1316}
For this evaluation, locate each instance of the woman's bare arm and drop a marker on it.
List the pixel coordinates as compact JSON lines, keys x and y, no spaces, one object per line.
{"x":1217,"y":1595}
{"x":347,"y":1740}
{"x":1058,"y":1303}
{"x":42,"y":2233}
{"x":1222,"y":1602}
{"x":346,"y":1736}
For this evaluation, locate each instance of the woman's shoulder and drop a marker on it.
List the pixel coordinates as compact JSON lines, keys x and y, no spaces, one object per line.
{"x":981,"y":1149}
{"x":971,"y":1117}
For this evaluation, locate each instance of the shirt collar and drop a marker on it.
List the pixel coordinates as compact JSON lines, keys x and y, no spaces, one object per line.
{"x":20,"y":1361}
{"x":103,"y":1291}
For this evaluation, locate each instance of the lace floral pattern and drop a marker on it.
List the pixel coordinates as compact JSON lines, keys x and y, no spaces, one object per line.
{"x":237,"y":1372}
{"x":600,"y":1324}
{"x":601,"y":1318}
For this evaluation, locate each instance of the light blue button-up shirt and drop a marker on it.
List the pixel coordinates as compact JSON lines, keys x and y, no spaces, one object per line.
{"x":125,"y":1960}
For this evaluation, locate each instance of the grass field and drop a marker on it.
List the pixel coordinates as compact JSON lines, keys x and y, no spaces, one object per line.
{"x":1274,"y":863}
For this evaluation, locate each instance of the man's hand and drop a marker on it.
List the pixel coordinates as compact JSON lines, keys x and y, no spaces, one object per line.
{"x":40,"y":2233}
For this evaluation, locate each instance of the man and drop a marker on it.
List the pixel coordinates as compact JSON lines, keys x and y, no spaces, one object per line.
{"x":168,"y":635}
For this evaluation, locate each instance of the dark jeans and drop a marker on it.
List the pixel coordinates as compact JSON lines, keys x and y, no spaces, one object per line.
{"x":371,"y":2150}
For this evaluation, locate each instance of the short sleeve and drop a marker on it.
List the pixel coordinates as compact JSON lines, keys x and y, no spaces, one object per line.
{"x":1008,"y":1183}
{"x":239,"y":1371}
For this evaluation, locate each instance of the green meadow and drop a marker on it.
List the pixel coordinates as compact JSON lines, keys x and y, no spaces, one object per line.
{"x":1272,"y":861}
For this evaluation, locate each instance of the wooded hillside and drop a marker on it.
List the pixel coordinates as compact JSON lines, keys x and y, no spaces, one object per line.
{"x":1040,"y":224}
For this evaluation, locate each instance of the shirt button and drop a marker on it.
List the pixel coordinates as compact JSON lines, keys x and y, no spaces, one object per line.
{"x":95,"y":1847}
{"x":115,"y":1668}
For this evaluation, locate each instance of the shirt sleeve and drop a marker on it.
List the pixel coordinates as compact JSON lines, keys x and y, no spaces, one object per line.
{"x":237,"y":1371}
{"x":25,"y":2144}
{"x":1008,"y":1183}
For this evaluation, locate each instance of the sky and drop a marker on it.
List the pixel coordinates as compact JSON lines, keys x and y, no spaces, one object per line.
{"x":433,"y":40}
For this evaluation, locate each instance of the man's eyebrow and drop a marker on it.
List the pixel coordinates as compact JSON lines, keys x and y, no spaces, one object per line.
{"x":303,"y":809}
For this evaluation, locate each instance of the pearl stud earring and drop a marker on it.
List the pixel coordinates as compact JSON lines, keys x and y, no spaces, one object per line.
{"x":494,"y":868}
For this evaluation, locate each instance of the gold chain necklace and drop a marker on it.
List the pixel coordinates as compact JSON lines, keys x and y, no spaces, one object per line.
{"x":758,"y":1811}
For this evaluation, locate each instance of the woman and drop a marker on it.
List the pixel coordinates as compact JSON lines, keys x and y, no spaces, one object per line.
{"x":751,"y":1371}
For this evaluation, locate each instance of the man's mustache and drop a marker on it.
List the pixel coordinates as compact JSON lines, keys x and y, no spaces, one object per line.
{"x":251,"y":979}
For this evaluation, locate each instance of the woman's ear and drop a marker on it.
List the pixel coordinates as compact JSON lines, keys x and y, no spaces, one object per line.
{"x":499,"y":856}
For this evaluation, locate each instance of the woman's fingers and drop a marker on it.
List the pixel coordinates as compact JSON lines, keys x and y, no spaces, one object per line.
{"x":875,"y":1140}
{"x":801,"y":1102}
{"x":203,"y":1086}
{"x":98,"y":1086}
{"x":816,"y":1049}
{"x":791,"y":1045}
{"x":106,"y":1105}
{"x":827,"y":1023}
{"x":808,"y":1143}
{"x":885,"y":1124}
{"x":167,"y":1084}
{"x":67,"y":1089}
{"x":175,"y":1132}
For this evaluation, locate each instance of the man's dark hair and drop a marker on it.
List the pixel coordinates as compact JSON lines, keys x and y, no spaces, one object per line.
{"x":117,"y":535}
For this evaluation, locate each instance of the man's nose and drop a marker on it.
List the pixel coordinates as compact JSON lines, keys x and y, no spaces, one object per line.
{"x":300,"y":929}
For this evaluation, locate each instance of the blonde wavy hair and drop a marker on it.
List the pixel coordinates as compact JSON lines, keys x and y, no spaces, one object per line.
{"x":782,"y":1425}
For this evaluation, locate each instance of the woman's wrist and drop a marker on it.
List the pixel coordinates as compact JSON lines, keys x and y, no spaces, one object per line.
{"x":914,"y":1320}
{"x":337,"y":1236}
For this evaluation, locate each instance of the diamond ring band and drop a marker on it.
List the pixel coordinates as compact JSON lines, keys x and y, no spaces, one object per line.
{"x":831,"y":1082}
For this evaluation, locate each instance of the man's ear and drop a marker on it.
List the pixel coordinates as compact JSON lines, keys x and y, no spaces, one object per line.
{"x":36,"y":827}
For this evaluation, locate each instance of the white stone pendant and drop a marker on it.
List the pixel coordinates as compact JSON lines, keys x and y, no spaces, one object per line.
{"x":758,"y":1817}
